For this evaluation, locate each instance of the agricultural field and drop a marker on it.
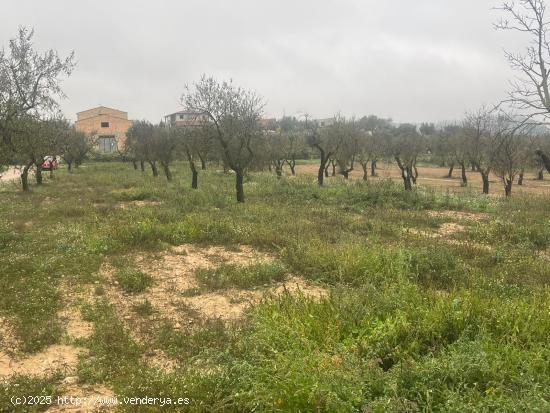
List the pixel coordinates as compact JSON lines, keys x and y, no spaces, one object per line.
{"x":350,"y":297}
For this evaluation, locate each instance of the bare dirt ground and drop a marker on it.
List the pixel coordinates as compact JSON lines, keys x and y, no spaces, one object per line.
{"x":176,"y":294}
{"x":60,"y":358}
{"x":446,"y":231}
{"x":9,"y":175}
{"x":437,"y":178}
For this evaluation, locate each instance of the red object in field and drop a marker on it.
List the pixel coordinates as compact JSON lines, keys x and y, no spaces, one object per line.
{"x":49,"y":163}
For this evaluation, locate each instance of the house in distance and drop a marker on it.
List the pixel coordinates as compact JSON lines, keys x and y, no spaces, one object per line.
{"x":107,"y":126}
{"x":185,"y":118}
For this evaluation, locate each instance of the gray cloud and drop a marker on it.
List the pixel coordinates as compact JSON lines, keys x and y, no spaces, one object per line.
{"x":412,"y":61}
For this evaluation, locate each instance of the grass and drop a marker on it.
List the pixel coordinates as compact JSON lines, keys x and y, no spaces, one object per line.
{"x":144,"y":309}
{"x":231,"y":275}
{"x":133,"y":281}
{"x":412,"y":323}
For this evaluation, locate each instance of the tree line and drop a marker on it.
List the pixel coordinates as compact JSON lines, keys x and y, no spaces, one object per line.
{"x":229,"y":130}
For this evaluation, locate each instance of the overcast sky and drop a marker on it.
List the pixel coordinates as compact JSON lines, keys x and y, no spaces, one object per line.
{"x":409,"y":60}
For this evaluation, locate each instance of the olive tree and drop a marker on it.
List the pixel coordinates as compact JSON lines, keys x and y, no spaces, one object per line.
{"x":350,"y":137}
{"x":235,"y":114}
{"x":510,"y":153}
{"x":192,"y":140}
{"x":482,"y":133}
{"x":292,"y":141}
{"x":542,"y":151}
{"x":276,"y":151}
{"x":544,"y":159}
{"x":74,"y":147}
{"x":326,"y":141}
{"x":139,"y":140}
{"x":30,"y":84}
{"x":406,"y":145}
{"x":33,"y":140}
{"x":374,"y":139}
{"x":457,"y":151}
{"x":163,"y":146}
{"x":441,"y":147}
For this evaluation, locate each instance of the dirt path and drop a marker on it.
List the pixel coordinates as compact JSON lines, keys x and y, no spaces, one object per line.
{"x":437,"y":178}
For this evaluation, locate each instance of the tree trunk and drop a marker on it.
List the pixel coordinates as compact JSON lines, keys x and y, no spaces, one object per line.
{"x":193,"y":167}
{"x":25,"y":177}
{"x":239,"y":177}
{"x":405,"y":174}
{"x":194,"y":179}
{"x":406,"y":180}
{"x":142,"y":165}
{"x":279,"y":169}
{"x":485,"y":179}
{"x":326,"y":170}
{"x":38,"y":174}
{"x":540,"y":175}
{"x":69,"y":166}
{"x":508,"y":186}
{"x":322,"y":170}
{"x":463,"y":173}
{"x":520,"y":177}
{"x":292,"y":165}
{"x":345,"y":173}
{"x":203,"y":162}
{"x":545,"y":159}
{"x":135,"y":165}
{"x":167,"y":172}
{"x":154,"y":168}
{"x":365,"y":171}
{"x":333,"y":167}
{"x":373,"y":168}
{"x":451,"y":168}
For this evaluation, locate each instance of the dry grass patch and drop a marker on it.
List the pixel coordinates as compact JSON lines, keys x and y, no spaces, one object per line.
{"x":460,"y":215}
{"x":55,"y":358}
{"x":138,"y":204}
{"x":9,"y":343}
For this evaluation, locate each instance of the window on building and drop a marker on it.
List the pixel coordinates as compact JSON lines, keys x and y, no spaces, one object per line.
{"x":107,"y":144}
{"x":104,"y":124}
{"x":181,"y":115}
